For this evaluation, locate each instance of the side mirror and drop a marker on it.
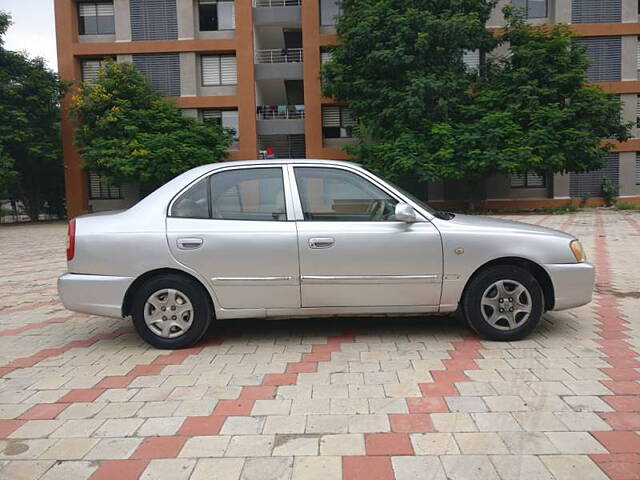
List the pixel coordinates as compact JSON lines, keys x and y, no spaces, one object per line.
{"x":405,"y":213}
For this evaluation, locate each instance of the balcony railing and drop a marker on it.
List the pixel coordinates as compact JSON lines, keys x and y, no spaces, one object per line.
{"x":280,"y":112}
{"x":279,"y":55}
{"x":277,"y":3}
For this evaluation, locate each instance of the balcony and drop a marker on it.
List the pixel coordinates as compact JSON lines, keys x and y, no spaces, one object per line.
{"x":280,"y":119}
{"x":278,"y":64}
{"x":277,"y":12}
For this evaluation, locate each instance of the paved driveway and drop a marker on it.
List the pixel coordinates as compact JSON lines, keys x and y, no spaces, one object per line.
{"x":419,"y":398}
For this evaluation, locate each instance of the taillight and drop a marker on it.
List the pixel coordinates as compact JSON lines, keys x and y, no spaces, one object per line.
{"x":71,"y":239}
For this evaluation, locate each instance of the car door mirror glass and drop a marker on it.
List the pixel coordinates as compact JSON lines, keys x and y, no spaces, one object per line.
{"x":405,"y":213}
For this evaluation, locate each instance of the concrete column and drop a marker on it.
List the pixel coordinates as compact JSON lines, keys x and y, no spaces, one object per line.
{"x":629,"y":57}
{"x":188,"y":74}
{"x":627,"y":174}
{"x":124,"y":58}
{"x":496,"y":19}
{"x":629,"y":109}
{"x":122,"y":20}
{"x":629,"y":11}
{"x":561,"y":185}
{"x":562,"y":11}
{"x":186,"y":10}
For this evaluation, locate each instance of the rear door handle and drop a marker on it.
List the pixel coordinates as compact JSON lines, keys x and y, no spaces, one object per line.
{"x":326,"y":242}
{"x":189,"y":243}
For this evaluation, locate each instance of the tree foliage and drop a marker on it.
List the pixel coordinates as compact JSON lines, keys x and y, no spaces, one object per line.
{"x":30,"y":148}
{"x":127,"y":132}
{"x":400,"y":68}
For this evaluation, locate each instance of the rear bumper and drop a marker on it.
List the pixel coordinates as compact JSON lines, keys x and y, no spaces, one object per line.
{"x":93,"y":294}
{"x":572,"y":284}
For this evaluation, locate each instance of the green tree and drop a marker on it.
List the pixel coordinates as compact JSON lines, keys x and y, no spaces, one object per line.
{"x":127,"y":132}
{"x":400,"y":68}
{"x":30,"y":148}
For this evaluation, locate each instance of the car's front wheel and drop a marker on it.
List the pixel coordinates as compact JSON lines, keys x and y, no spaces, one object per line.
{"x":503,"y":302}
{"x":171,"y":311}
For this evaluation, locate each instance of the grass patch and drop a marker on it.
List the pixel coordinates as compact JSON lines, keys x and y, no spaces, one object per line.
{"x":556,"y":210}
{"x":626,"y":206}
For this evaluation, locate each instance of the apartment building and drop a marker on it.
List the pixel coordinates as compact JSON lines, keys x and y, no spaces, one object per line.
{"x":253,"y":66}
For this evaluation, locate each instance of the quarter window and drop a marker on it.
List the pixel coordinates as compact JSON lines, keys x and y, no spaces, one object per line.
{"x":194,"y":203}
{"x":96,"y":18}
{"x":532,"y":8}
{"x":334,"y":195}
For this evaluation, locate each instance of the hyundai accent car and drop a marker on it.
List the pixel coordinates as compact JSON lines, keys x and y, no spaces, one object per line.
{"x":305,"y":238}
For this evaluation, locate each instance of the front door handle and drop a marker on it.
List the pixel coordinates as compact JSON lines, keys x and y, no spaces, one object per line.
{"x":326,"y":242}
{"x":189,"y":243}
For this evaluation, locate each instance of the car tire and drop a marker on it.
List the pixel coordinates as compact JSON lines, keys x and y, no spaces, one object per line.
{"x":186,"y":316}
{"x":503,"y":303}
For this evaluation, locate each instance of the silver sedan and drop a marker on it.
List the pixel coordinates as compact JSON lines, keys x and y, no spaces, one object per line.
{"x":304,"y":238}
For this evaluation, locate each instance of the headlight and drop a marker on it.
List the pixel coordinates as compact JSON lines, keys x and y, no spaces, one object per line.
{"x":578,"y":251}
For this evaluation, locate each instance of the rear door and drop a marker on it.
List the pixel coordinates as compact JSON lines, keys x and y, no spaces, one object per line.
{"x":233,"y":228}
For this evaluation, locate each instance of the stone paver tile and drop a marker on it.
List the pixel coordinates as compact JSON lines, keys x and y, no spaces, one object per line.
{"x":271,"y":407}
{"x":411,"y":422}
{"x":316,"y":468}
{"x":243,"y":426}
{"x":310,"y":406}
{"x":327,"y":424}
{"x":349,"y":406}
{"x":434,"y":443}
{"x":371,"y":468}
{"x":24,"y":449}
{"x":367,"y":423}
{"x":466,"y":404}
{"x":24,"y":469}
{"x":496,"y":422}
{"x":342,"y":444}
{"x":250,"y":446}
{"x":274,"y":468}
{"x":453,"y":422}
{"x":119,"y":410}
{"x":159,"y":409}
{"x":120,"y":469}
{"x":619,"y":442}
{"x":418,"y":468}
{"x":539,"y":422}
{"x":506,"y":403}
{"x":83,"y":410}
{"x":582,"y":421}
{"x":37,"y":429}
{"x":284,"y":424}
{"x":159,"y":447}
{"x":205,"y":446}
{"x":534,"y":443}
{"x":520,"y":467}
{"x":189,"y":408}
{"x":119,"y":427}
{"x":388,"y":444}
{"x":77,"y":428}
{"x":572,"y":467}
{"x":160,"y":426}
{"x":388,"y":405}
{"x":480,"y":443}
{"x":465,"y":467}
{"x":218,"y":468}
{"x":73,"y":470}
{"x":69,"y":449}
{"x":169,"y":469}
{"x":575,"y":442}
{"x":295,"y":445}
{"x":113,"y":448}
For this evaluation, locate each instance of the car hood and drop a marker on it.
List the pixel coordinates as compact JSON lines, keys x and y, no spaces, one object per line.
{"x":508,"y":226}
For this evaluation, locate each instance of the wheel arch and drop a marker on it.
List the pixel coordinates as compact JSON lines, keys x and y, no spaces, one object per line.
{"x":138,"y":282}
{"x":539,"y":273}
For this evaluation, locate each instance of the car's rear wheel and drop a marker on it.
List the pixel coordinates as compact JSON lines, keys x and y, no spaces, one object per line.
{"x":171,"y":311}
{"x":503,"y":302}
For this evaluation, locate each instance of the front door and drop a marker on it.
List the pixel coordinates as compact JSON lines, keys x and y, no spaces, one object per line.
{"x":353,"y":253}
{"x":232,"y":228}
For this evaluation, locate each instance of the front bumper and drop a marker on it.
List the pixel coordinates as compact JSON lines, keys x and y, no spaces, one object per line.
{"x":93,"y":294}
{"x":572,"y":284}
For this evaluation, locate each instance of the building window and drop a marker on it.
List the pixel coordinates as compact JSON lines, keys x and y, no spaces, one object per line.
{"x":325,"y":56}
{"x":101,"y":190}
{"x":337,"y":122}
{"x":90,"y":69}
{"x":471,"y":58}
{"x":329,"y":12}
{"x":227,"y":119}
{"x":527,"y":180}
{"x":216,"y":15}
{"x":532,"y":8}
{"x":596,"y":11}
{"x":96,"y":18}
{"x":219,"y":70}
{"x":605,"y":57}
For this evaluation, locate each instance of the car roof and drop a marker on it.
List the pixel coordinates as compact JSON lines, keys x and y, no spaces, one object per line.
{"x":280,"y":161}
